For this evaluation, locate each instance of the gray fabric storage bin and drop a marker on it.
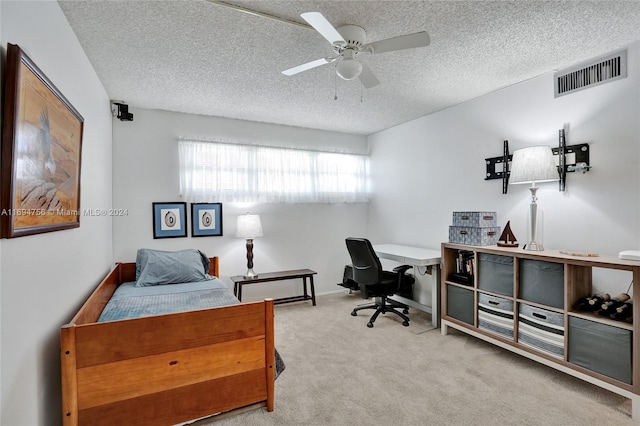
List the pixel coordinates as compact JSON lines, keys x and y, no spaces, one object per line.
{"x":460,"y":303}
{"x":542,"y":282}
{"x":495,"y":273}
{"x":541,"y":329}
{"x":495,"y":314}
{"x":602,"y":348}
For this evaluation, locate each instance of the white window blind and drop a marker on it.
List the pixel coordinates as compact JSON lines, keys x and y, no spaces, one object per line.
{"x":222,"y":172}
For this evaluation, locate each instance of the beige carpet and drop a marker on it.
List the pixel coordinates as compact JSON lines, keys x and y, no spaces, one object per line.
{"x":339,"y":372}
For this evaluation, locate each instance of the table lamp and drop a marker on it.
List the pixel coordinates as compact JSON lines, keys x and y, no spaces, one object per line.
{"x":249,"y":227}
{"x":533,"y":165}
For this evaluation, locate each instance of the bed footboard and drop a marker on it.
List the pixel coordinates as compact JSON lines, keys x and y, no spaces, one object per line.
{"x":168,"y":369}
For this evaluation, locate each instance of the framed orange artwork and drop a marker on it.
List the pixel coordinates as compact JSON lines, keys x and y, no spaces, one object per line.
{"x":41,"y":152}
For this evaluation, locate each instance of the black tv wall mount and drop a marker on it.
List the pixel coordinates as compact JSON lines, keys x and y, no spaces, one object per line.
{"x":569,"y":158}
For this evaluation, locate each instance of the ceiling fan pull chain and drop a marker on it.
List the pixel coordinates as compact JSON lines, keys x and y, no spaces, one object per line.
{"x":335,"y":85}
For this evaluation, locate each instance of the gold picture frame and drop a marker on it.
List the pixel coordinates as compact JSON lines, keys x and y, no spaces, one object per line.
{"x":41,"y":152}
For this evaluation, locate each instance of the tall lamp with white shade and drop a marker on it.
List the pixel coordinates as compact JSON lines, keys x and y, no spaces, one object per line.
{"x":533,"y":165}
{"x":249,"y":227}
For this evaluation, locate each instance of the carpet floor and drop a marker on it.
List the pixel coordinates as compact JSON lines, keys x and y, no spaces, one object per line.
{"x":340,"y":372}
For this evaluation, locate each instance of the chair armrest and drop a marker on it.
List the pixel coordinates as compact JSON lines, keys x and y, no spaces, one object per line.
{"x":402,"y":269}
{"x":405,"y":281}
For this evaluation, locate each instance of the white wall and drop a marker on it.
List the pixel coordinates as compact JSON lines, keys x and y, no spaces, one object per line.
{"x":442,"y":161}
{"x":44,"y":278}
{"x":145,"y":165}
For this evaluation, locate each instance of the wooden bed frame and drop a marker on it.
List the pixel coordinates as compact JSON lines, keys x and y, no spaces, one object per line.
{"x":165,"y":369}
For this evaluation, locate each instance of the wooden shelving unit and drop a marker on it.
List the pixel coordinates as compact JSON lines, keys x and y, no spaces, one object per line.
{"x":547,"y":283}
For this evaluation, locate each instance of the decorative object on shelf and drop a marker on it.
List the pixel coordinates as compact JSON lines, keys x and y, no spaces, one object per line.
{"x":619,"y":308}
{"x":533,"y":165}
{"x":206,"y":219}
{"x":623,"y":312}
{"x":41,"y":152}
{"x":578,"y":253}
{"x":249,"y":227}
{"x":608,"y":307}
{"x":591,"y":303}
{"x":169,"y":220}
{"x":495,"y":163}
{"x":507,"y":238}
{"x":629,"y":254}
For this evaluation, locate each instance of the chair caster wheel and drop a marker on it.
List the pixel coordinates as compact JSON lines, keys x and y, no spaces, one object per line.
{"x":406,"y":323}
{"x":353,"y":313}
{"x":370,"y":324}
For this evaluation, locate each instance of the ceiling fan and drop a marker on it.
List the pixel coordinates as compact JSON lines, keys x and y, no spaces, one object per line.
{"x":349,"y":43}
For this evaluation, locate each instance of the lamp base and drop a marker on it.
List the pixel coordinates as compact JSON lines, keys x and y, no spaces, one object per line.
{"x":533,"y":246}
{"x":535,"y":221}
{"x":250,"y":274}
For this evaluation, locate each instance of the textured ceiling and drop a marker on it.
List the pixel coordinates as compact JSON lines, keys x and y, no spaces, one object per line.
{"x":199,"y":57}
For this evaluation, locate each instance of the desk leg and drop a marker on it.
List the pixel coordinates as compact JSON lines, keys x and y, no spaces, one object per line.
{"x":313,"y":291}
{"x":435,"y":298}
{"x":240,"y":292}
{"x":435,"y":302}
{"x":235,"y":289}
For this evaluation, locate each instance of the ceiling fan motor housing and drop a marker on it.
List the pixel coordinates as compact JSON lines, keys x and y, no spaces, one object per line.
{"x":354,"y":35}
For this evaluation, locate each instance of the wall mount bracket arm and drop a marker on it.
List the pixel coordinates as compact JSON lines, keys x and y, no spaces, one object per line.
{"x":498,"y":167}
{"x":571,"y":158}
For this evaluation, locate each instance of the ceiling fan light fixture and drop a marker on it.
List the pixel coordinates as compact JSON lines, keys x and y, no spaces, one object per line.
{"x":348,"y":69}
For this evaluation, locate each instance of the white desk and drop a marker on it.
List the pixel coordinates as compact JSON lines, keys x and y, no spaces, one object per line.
{"x":416,"y":257}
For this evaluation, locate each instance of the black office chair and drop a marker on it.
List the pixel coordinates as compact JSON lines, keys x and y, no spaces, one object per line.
{"x":377,"y":283}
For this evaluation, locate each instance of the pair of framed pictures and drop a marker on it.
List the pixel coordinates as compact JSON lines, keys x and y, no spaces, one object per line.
{"x":170,"y":220}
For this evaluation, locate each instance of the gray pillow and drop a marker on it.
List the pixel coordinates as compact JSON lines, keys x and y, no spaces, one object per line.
{"x":156,"y":267}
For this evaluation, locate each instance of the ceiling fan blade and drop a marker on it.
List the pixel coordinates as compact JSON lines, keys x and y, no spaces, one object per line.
{"x":321,"y":25}
{"x":367,"y":78}
{"x":408,"y":41}
{"x":307,"y":66}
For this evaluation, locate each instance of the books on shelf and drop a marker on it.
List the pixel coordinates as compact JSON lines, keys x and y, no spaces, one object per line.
{"x":465,"y":263}
{"x":465,"y":268}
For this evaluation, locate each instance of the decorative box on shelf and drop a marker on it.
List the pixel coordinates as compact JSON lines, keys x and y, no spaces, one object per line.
{"x":475,"y":219}
{"x":474,"y":228}
{"x":474,"y":236}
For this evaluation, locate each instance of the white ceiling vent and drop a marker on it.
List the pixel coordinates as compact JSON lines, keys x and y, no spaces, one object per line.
{"x":587,"y":74}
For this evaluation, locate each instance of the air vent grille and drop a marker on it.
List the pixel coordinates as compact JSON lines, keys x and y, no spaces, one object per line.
{"x":601,"y":70}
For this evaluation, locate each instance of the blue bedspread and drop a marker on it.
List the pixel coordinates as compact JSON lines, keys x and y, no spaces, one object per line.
{"x":130,"y":301}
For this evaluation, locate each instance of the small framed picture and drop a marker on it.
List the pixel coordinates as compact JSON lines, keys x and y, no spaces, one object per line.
{"x":169,"y":220}
{"x":206,"y":219}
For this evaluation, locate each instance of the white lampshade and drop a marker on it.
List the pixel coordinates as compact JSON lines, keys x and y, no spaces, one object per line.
{"x":249,"y":226}
{"x":349,"y":69}
{"x":533,"y":164}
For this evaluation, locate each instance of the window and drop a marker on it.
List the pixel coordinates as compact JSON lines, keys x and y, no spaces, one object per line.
{"x":211,"y":171}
